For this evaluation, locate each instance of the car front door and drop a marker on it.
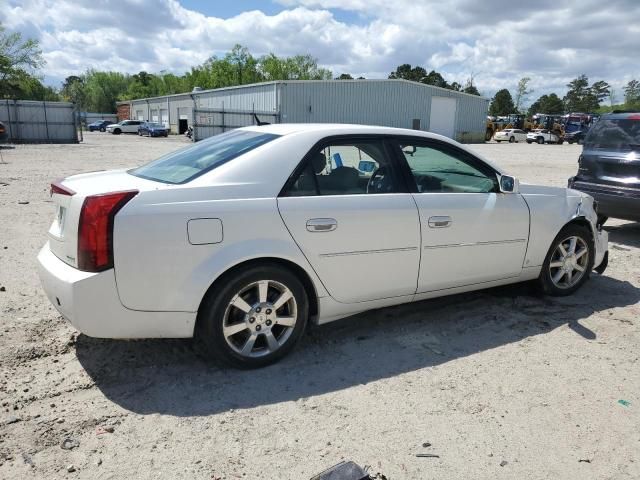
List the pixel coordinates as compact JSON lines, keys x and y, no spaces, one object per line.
{"x":471,"y":233}
{"x":350,"y":213}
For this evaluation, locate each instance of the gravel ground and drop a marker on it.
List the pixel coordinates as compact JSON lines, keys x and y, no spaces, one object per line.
{"x":500,"y":384}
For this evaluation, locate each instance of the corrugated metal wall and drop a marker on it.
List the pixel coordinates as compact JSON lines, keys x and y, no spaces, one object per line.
{"x":393,"y":103}
{"x":39,"y":122}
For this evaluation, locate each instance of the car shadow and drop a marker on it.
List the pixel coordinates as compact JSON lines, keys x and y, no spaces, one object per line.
{"x":625,"y":234}
{"x":167,"y":376}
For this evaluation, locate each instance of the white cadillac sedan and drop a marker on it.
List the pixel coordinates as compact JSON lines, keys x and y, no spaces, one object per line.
{"x":243,"y":238}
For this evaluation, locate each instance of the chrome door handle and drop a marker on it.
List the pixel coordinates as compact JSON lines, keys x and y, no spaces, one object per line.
{"x":439,"y":222}
{"x":322,"y":224}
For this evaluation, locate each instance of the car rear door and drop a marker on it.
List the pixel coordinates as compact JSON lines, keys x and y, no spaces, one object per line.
{"x":471,"y":233}
{"x":350,"y":213}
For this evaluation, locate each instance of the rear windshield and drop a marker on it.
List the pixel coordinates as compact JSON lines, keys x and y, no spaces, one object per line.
{"x":186,"y":164}
{"x":615,"y":134}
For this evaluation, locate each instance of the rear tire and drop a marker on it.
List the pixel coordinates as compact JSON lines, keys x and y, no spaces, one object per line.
{"x":563,"y":274}
{"x":117,"y":131}
{"x":103,"y":129}
{"x":240,"y":322}
{"x":512,"y":139}
{"x":540,"y":141}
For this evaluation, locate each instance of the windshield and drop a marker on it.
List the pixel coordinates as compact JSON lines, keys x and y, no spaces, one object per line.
{"x":186,"y":164}
{"x":154,"y":125}
{"x":615,"y":134}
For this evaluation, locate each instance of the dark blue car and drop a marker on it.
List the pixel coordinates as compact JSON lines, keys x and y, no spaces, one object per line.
{"x":100,"y":125}
{"x":152,"y":129}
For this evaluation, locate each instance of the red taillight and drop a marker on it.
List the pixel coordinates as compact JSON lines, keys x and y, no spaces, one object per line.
{"x":57,"y":187}
{"x":95,"y":230}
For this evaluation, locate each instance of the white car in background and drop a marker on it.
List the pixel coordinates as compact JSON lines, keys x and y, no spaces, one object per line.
{"x":543,"y":136}
{"x":510,"y":135}
{"x":243,"y":238}
{"x":125,"y":126}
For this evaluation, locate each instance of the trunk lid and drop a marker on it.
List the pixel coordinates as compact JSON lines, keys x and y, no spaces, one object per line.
{"x":68,"y":198}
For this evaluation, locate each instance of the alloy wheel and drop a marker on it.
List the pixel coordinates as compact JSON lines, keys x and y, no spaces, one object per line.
{"x":569,"y":262}
{"x":260,"y":318}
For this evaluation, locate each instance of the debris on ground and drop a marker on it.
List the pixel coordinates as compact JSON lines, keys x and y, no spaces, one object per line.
{"x":71,"y":468}
{"x":427,"y":455}
{"x":343,"y":471}
{"x":624,"y":403}
{"x":69,"y":443}
{"x":503,"y":463}
{"x":584,"y":460}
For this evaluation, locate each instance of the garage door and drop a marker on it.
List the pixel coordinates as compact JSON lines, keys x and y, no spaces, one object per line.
{"x":443,"y":116}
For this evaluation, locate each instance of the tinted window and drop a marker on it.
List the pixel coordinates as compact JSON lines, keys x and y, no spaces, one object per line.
{"x":189,"y":163}
{"x":346,"y":168}
{"x":615,"y":134}
{"x":438,"y":169}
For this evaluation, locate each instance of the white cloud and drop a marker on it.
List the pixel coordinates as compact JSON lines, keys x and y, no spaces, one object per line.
{"x":495,"y":42}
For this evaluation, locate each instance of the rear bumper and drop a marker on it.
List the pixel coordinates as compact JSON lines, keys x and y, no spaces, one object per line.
{"x":616,"y":202}
{"x":90,"y":302}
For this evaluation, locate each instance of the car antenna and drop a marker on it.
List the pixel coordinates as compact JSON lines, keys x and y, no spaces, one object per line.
{"x":258,"y":121}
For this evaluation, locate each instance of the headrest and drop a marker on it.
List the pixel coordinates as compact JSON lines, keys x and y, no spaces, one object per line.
{"x":318,"y":162}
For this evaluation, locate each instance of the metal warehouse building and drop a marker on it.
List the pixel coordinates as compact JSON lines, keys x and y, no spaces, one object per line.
{"x":394,"y":103}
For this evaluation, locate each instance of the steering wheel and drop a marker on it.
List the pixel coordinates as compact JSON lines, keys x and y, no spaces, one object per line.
{"x":380,"y":181}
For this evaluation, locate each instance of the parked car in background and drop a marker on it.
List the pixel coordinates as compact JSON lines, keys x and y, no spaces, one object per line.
{"x":152,"y":129}
{"x":510,"y":135}
{"x":4,"y":134}
{"x":244,"y":237}
{"x":100,"y":125}
{"x":577,"y":136}
{"x":125,"y":126}
{"x":609,"y":166}
{"x":542,"y":136}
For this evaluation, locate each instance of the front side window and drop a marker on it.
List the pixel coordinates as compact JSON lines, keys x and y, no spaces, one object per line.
{"x":346,"y":168}
{"x":184,"y":165}
{"x":438,"y":169}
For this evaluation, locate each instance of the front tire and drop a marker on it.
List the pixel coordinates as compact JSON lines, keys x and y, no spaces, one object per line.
{"x":569,"y":261}
{"x":512,"y":139}
{"x":117,"y":131}
{"x":103,"y":129}
{"x":540,"y":141}
{"x":254,"y":317}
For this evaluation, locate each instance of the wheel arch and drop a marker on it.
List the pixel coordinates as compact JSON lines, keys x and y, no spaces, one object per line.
{"x":297,"y":270}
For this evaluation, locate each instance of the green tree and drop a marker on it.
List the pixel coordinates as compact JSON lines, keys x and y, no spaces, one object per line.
{"x":584,"y":98}
{"x":18,"y":59}
{"x":344,"y":76}
{"x":522,"y":92}
{"x":103,"y":89}
{"x":407,"y":72}
{"x":550,"y":104}
{"x":73,"y":91}
{"x":632,"y":94}
{"x":470,"y":88}
{"x":502,"y":103}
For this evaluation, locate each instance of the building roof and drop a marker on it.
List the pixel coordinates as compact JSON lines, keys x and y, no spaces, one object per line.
{"x":284,"y":82}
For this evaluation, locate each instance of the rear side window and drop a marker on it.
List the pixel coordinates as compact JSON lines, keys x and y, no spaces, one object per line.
{"x":617,"y":134}
{"x":186,"y":164}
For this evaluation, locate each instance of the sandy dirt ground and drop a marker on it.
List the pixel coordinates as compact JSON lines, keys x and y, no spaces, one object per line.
{"x":501,"y":384}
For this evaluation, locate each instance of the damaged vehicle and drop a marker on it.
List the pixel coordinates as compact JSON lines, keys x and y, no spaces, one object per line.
{"x":609,"y":166}
{"x":243,"y":238}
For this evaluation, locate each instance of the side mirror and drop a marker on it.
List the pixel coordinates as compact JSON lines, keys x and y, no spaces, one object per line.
{"x":509,"y":184}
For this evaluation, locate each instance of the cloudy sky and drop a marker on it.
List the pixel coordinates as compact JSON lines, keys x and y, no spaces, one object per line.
{"x":497,"y":42}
